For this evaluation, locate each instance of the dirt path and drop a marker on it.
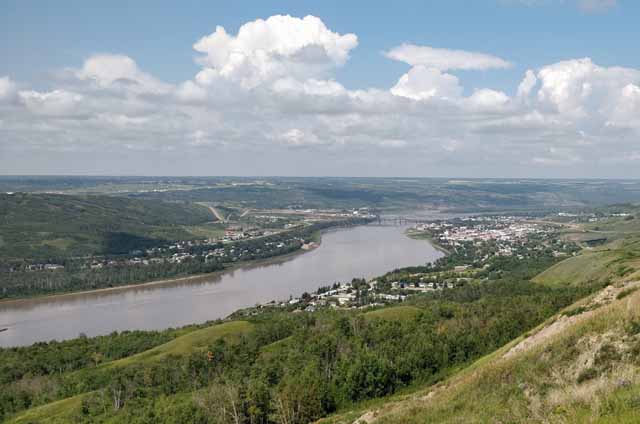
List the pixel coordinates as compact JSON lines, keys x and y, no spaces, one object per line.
{"x":216,"y":213}
{"x":604,"y":297}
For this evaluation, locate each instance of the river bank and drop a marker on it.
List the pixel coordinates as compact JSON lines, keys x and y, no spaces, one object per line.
{"x":317,"y":240}
{"x":363,"y":251}
{"x":425,"y":235}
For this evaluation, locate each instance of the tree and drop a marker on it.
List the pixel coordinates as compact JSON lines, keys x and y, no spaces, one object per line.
{"x":222,"y":403}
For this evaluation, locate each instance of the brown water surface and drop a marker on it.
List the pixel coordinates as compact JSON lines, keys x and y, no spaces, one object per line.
{"x":364,"y":251}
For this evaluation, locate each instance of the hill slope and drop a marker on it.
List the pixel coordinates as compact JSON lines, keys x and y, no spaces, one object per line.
{"x":50,"y":225}
{"x":579,"y":368}
{"x":581,"y":365}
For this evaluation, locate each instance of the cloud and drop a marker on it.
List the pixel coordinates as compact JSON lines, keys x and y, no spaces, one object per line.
{"x":7,"y":88}
{"x":422,"y":83}
{"x":528,"y":83}
{"x":580,"y":89}
{"x":445,"y":59}
{"x":486,"y":98}
{"x":53,"y":103}
{"x":109,"y":70}
{"x":266,"y":100}
{"x":279,"y":46}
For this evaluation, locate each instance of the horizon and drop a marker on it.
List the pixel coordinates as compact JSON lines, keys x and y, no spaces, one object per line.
{"x":320,"y":177}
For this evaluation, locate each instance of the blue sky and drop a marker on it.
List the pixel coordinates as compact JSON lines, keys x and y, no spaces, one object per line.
{"x":120,"y":88}
{"x":42,"y":36}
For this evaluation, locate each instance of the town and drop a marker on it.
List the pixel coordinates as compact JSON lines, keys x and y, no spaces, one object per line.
{"x":474,"y":245}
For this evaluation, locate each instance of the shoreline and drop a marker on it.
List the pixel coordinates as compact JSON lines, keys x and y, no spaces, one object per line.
{"x":167,"y":281}
{"x":425,"y":235}
{"x":187,"y":278}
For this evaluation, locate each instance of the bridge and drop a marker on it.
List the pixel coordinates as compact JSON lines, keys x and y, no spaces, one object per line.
{"x":400,"y":220}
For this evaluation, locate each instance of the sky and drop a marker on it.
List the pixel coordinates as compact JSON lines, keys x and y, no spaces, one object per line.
{"x":477,"y":88}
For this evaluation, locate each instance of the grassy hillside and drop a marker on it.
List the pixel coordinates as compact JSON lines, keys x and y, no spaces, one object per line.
{"x":581,"y":365}
{"x":581,"y":368}
{"x":191,"y":342}
{"x":394,"y":313}
{"x":66,"y":410}
{"x":617,"y":260}
{"x":49,"y":225}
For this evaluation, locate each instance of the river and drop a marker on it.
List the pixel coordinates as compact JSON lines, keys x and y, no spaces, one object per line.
{"x":364,"y":251}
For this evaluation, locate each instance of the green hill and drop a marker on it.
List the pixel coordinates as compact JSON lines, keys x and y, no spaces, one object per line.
{"x":51,"y":225}
{"x":580,"y":368}
{"x":580,"y":365}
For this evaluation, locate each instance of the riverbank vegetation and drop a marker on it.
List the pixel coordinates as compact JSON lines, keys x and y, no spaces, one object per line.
{"x":195,"y":259}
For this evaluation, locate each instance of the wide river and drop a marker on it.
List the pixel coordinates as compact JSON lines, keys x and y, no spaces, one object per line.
{"x":364,"y":251}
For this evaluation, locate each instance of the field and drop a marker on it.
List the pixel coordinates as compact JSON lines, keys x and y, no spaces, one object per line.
{"x":381,"y":193}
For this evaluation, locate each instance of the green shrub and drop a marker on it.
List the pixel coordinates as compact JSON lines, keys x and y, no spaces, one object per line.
{"x":625,"y":293}
{"x":588,"y":374}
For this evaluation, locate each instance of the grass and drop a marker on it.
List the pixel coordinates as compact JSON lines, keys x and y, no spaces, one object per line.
{"x":590,"y":266}
{"x":425,"y":235}
{"x":212,"y":230}
{"x":626,"y":293}
{"x":394,"y":313}
{"x":190,"y":342}
{"x":617,"y":260}
{"x":61,"y":412}
{"x":59,"y":243}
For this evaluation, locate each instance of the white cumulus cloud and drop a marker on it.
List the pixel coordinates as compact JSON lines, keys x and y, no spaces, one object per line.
{"x":277,"y":47}
{"x":445,"y":59}
{"x":422,"y":83}
{"x":111,"y":69}
{"x":579,"y":88}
